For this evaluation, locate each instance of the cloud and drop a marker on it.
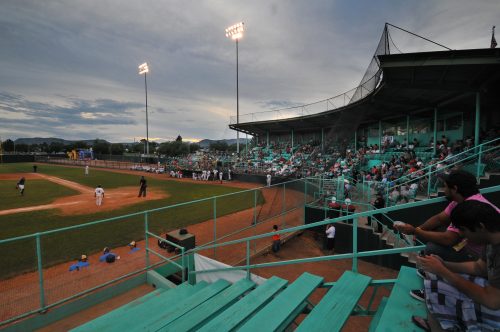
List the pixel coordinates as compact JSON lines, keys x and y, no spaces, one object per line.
{"x":70,"y":68}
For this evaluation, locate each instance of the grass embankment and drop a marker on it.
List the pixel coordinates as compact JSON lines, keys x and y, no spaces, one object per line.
{"x":20,"y":256}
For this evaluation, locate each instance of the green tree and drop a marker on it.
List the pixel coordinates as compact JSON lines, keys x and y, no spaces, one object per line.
{"x":117,"y":149}
{"x":55,"y":147}
{"x":101,"y":147}
{"x":8,"y":145}
{"x":22,"y":147}
{"x":219,"y":146}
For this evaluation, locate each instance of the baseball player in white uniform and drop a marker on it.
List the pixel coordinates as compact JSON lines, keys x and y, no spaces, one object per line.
{"x":99,"y":195}
{"x":87,"y":170}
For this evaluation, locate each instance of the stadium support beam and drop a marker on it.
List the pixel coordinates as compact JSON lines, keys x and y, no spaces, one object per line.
{"x":477,"y":123}
{"x":292,"y":139}
{"x":267,"y":139}
{"x":434,"y":146}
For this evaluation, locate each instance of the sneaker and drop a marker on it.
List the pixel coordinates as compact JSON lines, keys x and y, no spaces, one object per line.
{"x":421,"y":273}
{"x":418,"y":294}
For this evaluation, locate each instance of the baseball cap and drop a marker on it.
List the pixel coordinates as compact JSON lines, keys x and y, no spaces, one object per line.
{"x":83,"y":257}
{"x":132,"y":244}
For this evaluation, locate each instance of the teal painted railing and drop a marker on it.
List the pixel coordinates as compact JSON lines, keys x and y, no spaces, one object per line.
{"x":354,"y":255}
{"x":301,"y":187}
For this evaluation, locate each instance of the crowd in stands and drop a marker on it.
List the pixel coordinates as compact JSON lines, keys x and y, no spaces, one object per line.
{"x":396,"y":170}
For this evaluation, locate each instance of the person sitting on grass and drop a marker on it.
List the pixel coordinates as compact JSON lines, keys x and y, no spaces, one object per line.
{"x":465,"y":295}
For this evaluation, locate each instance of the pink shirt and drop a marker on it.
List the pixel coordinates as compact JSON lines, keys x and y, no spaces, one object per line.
{"x":477,"y":197}
{"x":452,"y":205}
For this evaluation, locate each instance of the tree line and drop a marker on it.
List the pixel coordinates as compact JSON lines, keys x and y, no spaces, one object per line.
{"x":173,"y":148}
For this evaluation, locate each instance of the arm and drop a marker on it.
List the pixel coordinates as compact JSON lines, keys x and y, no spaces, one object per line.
{"x":488,"y":296}
{"x":440,"y":219}
{"x":446,"y":238}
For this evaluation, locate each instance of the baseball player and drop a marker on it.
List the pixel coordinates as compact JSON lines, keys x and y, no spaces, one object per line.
{"x":220,"y":175}
{"x":87,"y":170}
{"x":268,"y":179}
{"x":20,"y":185}
{"x":99,"y":195}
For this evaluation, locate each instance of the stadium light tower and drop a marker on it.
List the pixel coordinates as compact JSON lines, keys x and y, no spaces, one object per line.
{"x":235,"y":32}
{"x":144,"y":69}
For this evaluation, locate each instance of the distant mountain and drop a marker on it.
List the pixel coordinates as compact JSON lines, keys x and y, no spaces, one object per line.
{"x":49,"y":140}
{"x":40,"y":140}
{"x":205,"y":143}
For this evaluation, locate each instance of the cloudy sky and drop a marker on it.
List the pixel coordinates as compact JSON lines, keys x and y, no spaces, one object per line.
{"x":68,"y":69}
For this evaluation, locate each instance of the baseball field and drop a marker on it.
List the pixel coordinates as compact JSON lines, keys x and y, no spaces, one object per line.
{"x":58,"y":196}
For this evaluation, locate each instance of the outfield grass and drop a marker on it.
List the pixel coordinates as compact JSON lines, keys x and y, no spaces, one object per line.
{"x":37,"y":192}
{"x":64,"y":246}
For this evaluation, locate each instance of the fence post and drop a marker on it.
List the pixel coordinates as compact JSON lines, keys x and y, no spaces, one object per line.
{"x":305,"y":198}
{"x":429,"y":184}
{"x":146,"y":238}
{"x":478,"y":171}
{"x":40,"y":272}
{"x":283,"y":223}
{"x":355,"y":245}
{"x":215,"y":226}
{"x":183,"y":264}
{"x":255,"y":219}
{"x":248,"y":260}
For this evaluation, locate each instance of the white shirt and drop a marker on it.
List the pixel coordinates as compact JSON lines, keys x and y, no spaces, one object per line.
{"x":99,"y":191}
{"x":330,"y":232}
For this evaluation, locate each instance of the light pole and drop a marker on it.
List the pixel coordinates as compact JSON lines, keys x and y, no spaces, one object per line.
{"x":235,"y":32}
{"x":144,"y":69}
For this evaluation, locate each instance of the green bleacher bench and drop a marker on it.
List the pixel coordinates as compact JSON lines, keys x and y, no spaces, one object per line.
{"x":285,"y":307}
{"x":378,"y":314}
{"x":157,"y":318}
{"x":200,"y":315}
{"x":396,"y":315}
{"x":246,"y":307}
{"x":130,"y":313}
{"x":334,"y":309}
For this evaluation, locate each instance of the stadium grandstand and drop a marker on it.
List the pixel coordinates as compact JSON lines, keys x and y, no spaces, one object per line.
{"x":413,"y":119}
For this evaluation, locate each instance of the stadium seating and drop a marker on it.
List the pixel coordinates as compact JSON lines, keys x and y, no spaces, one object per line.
{"x":271,"y":306}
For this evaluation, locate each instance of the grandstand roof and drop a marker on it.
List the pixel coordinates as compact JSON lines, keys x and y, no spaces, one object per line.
{"x":411,"y":83}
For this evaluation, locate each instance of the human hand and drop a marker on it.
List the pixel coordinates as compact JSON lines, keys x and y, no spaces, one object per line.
{"x":432,"y":263}
{"x":405,"y":228}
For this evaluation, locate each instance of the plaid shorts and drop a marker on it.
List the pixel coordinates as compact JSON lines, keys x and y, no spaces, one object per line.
{"x":454,"y":310}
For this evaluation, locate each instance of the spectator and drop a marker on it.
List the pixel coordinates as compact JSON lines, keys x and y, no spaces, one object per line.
{"x":466,"y":296}
{"x":459,"y":186}
{"x":379,"y":203}
{"x":276,"y":240}
{"x":330,"y":238}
